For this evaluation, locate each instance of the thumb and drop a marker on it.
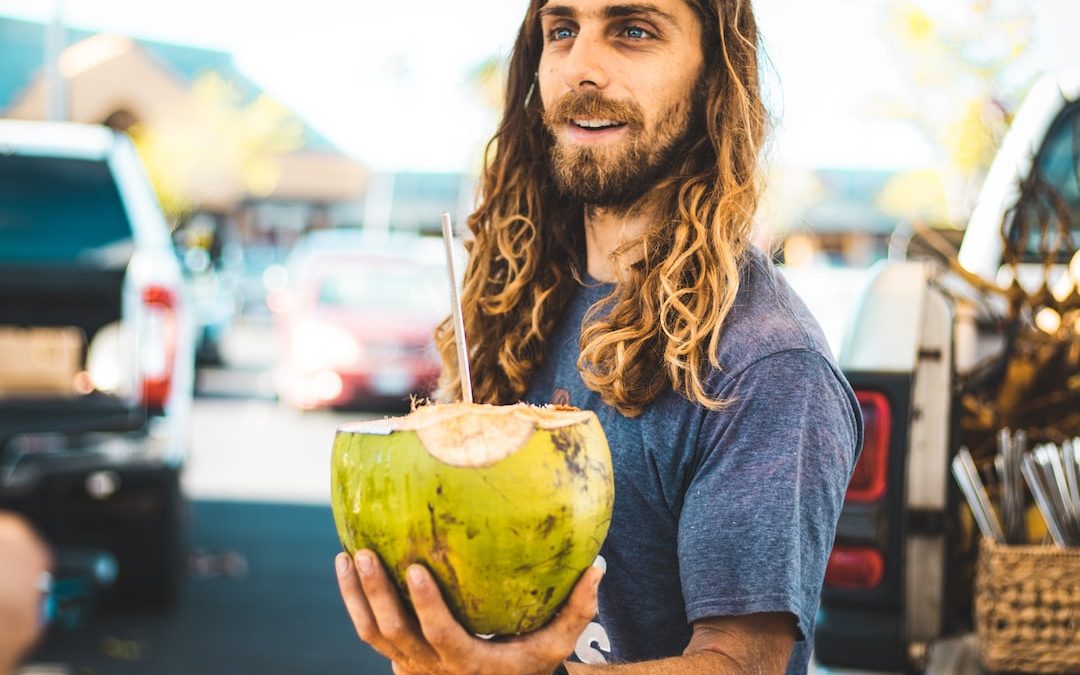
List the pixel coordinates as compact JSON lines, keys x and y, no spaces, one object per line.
{"x":576,"y":613}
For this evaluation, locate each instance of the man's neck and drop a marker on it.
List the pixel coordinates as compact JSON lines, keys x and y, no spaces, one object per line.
{"x":605,"y":232}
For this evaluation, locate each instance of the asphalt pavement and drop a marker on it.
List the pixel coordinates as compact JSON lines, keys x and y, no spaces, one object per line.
{"x":260,"y":595}
{"x":260,"y":598}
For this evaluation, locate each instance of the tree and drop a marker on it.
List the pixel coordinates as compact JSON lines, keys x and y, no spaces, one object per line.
{"x":955,"y":66}
{"x":215,"y":149}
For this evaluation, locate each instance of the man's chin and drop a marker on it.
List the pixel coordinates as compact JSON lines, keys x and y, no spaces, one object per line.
{"x":611,"y":176}
{"x":591,"y":191}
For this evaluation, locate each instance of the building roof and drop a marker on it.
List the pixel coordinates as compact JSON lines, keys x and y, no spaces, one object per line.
{"x":22,"y":49}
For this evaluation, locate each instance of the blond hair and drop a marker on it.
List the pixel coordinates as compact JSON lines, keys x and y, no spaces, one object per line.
{"x":661,"y":327}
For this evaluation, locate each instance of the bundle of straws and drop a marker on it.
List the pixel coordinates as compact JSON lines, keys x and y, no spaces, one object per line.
{"x":1052,"y":475}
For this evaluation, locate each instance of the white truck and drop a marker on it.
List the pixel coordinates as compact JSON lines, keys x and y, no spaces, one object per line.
{"x":96,"y":356}
{"x":900,"y":577}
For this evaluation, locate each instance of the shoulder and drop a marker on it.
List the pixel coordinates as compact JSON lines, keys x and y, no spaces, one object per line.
{"x":768,"y":319}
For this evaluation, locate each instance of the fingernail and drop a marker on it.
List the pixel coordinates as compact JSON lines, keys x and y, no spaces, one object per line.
{"x":363,"y":561}
{"x":416,"y":576}
{"x":342,"y":564}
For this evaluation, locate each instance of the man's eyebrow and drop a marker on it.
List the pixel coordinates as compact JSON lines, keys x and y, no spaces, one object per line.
{"x":610,"y":12}
{"x":561,"y":11}
{"x":637,"y":9}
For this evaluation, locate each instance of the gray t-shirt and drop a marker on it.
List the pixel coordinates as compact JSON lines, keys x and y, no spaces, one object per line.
{"x":719,"y":513}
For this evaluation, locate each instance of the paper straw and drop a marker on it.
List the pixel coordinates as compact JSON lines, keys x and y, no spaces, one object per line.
{"x":455,"y":306}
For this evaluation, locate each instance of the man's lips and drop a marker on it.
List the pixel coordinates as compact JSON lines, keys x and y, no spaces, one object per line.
{"x":592,"y":123}
{"x":587,"y":130}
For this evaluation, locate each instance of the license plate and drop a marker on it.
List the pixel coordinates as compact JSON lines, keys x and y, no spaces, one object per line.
{"x":39,"y":360}
{"x":391,"y":383}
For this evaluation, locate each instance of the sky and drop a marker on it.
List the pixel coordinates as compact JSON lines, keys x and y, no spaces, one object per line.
{"x":388,"y":82}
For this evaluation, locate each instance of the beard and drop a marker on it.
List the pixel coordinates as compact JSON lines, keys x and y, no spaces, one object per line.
{"x":615,"y":175}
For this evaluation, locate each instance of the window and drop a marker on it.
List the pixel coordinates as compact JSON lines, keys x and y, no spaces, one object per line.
{"x":394,"y":289}
{"x":1049,"y":207}
{"x":61,"y":211}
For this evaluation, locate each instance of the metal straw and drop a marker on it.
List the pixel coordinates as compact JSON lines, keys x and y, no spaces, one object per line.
{"x":455,"y":306}
{"x":1053,"y":476}
{"x":1042,"y":500}
{"x":1011,"y":449}
{"x":1070,"y":451}
{"x":1003,"y":464}
{"x":1055,"y":456}
{"x":967,"y":476}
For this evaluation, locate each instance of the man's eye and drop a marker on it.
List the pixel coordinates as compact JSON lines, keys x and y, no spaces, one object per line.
{"x":636,"y":33}
{"x":556,"y":34}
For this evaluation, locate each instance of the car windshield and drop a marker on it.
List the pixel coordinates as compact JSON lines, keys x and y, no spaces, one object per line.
{"x":1058,"y":197}
{"x":61,"y":211}
{"x":390,"y":288}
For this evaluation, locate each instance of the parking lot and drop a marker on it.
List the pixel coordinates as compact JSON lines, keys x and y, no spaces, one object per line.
{"x":260,"y":595}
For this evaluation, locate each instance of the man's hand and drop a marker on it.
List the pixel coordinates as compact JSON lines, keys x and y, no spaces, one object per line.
{"x":434,"y":643}
{"x":23,"y":562}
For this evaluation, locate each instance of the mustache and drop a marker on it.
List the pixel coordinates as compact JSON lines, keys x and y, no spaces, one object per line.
{"x":592,"y":105}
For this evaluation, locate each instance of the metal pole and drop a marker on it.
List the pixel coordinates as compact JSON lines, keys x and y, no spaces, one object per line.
{"x":55,"y":85}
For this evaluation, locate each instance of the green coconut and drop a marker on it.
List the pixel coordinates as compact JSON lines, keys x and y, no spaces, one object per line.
{"x":506,"y":505}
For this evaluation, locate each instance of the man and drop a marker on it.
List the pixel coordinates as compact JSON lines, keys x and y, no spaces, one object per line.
{"x":24,"y":563}
{"x":611,"y":269}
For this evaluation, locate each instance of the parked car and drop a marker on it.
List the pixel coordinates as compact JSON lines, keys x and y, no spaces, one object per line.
{"x":900,"y":575}
{"x":212,"y":269}
{"x":96,"y":353}
{"x":357,"y":319}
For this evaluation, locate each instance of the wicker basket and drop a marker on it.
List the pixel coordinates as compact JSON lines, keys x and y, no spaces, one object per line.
{"x":1027,"y":608}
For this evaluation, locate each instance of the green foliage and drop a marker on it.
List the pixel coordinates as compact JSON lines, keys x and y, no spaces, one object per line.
{"x":216,"y":149}
{"x":954,"y":64}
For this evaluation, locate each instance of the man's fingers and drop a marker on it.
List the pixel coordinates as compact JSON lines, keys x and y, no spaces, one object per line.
{"x":560,"y":635}
{"x":381,"y":619}
{"x":439,"y":626}
{"x":394,"y":623}
{"x":24,"y":563}
{"x":357,"y":605}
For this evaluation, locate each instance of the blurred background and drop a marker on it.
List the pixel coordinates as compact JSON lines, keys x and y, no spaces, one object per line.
{"x":302,"y":153}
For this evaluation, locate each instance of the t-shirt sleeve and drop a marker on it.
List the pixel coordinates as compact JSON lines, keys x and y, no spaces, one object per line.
{"x":759,"y":516}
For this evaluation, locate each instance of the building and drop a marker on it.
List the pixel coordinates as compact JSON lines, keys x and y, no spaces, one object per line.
{"x":124,"y":82}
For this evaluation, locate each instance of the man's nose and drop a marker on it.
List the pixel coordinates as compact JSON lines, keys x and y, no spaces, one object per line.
{"x":585,"y":66}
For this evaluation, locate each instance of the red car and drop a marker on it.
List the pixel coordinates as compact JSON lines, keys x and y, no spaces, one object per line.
{"x":356,"y":326}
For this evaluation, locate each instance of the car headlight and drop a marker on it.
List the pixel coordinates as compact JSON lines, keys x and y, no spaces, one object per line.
{"x":318,"y":345}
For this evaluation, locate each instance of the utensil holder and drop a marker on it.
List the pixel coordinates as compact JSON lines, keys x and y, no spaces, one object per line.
{"x":1027,"y":608}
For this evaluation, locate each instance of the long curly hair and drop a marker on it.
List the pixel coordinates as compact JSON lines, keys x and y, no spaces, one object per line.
{"x":661,"y":326}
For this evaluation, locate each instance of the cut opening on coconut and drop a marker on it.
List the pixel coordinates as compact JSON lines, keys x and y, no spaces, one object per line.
{"x":472,"y":435}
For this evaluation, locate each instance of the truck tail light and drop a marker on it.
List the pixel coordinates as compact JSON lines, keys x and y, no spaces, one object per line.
{"x":871,"y":475}
{"x":157,"y":344}
{"x":854,"y":567}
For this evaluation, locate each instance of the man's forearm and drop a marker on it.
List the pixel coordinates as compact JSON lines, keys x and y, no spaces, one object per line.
{"x":706,"y":662}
